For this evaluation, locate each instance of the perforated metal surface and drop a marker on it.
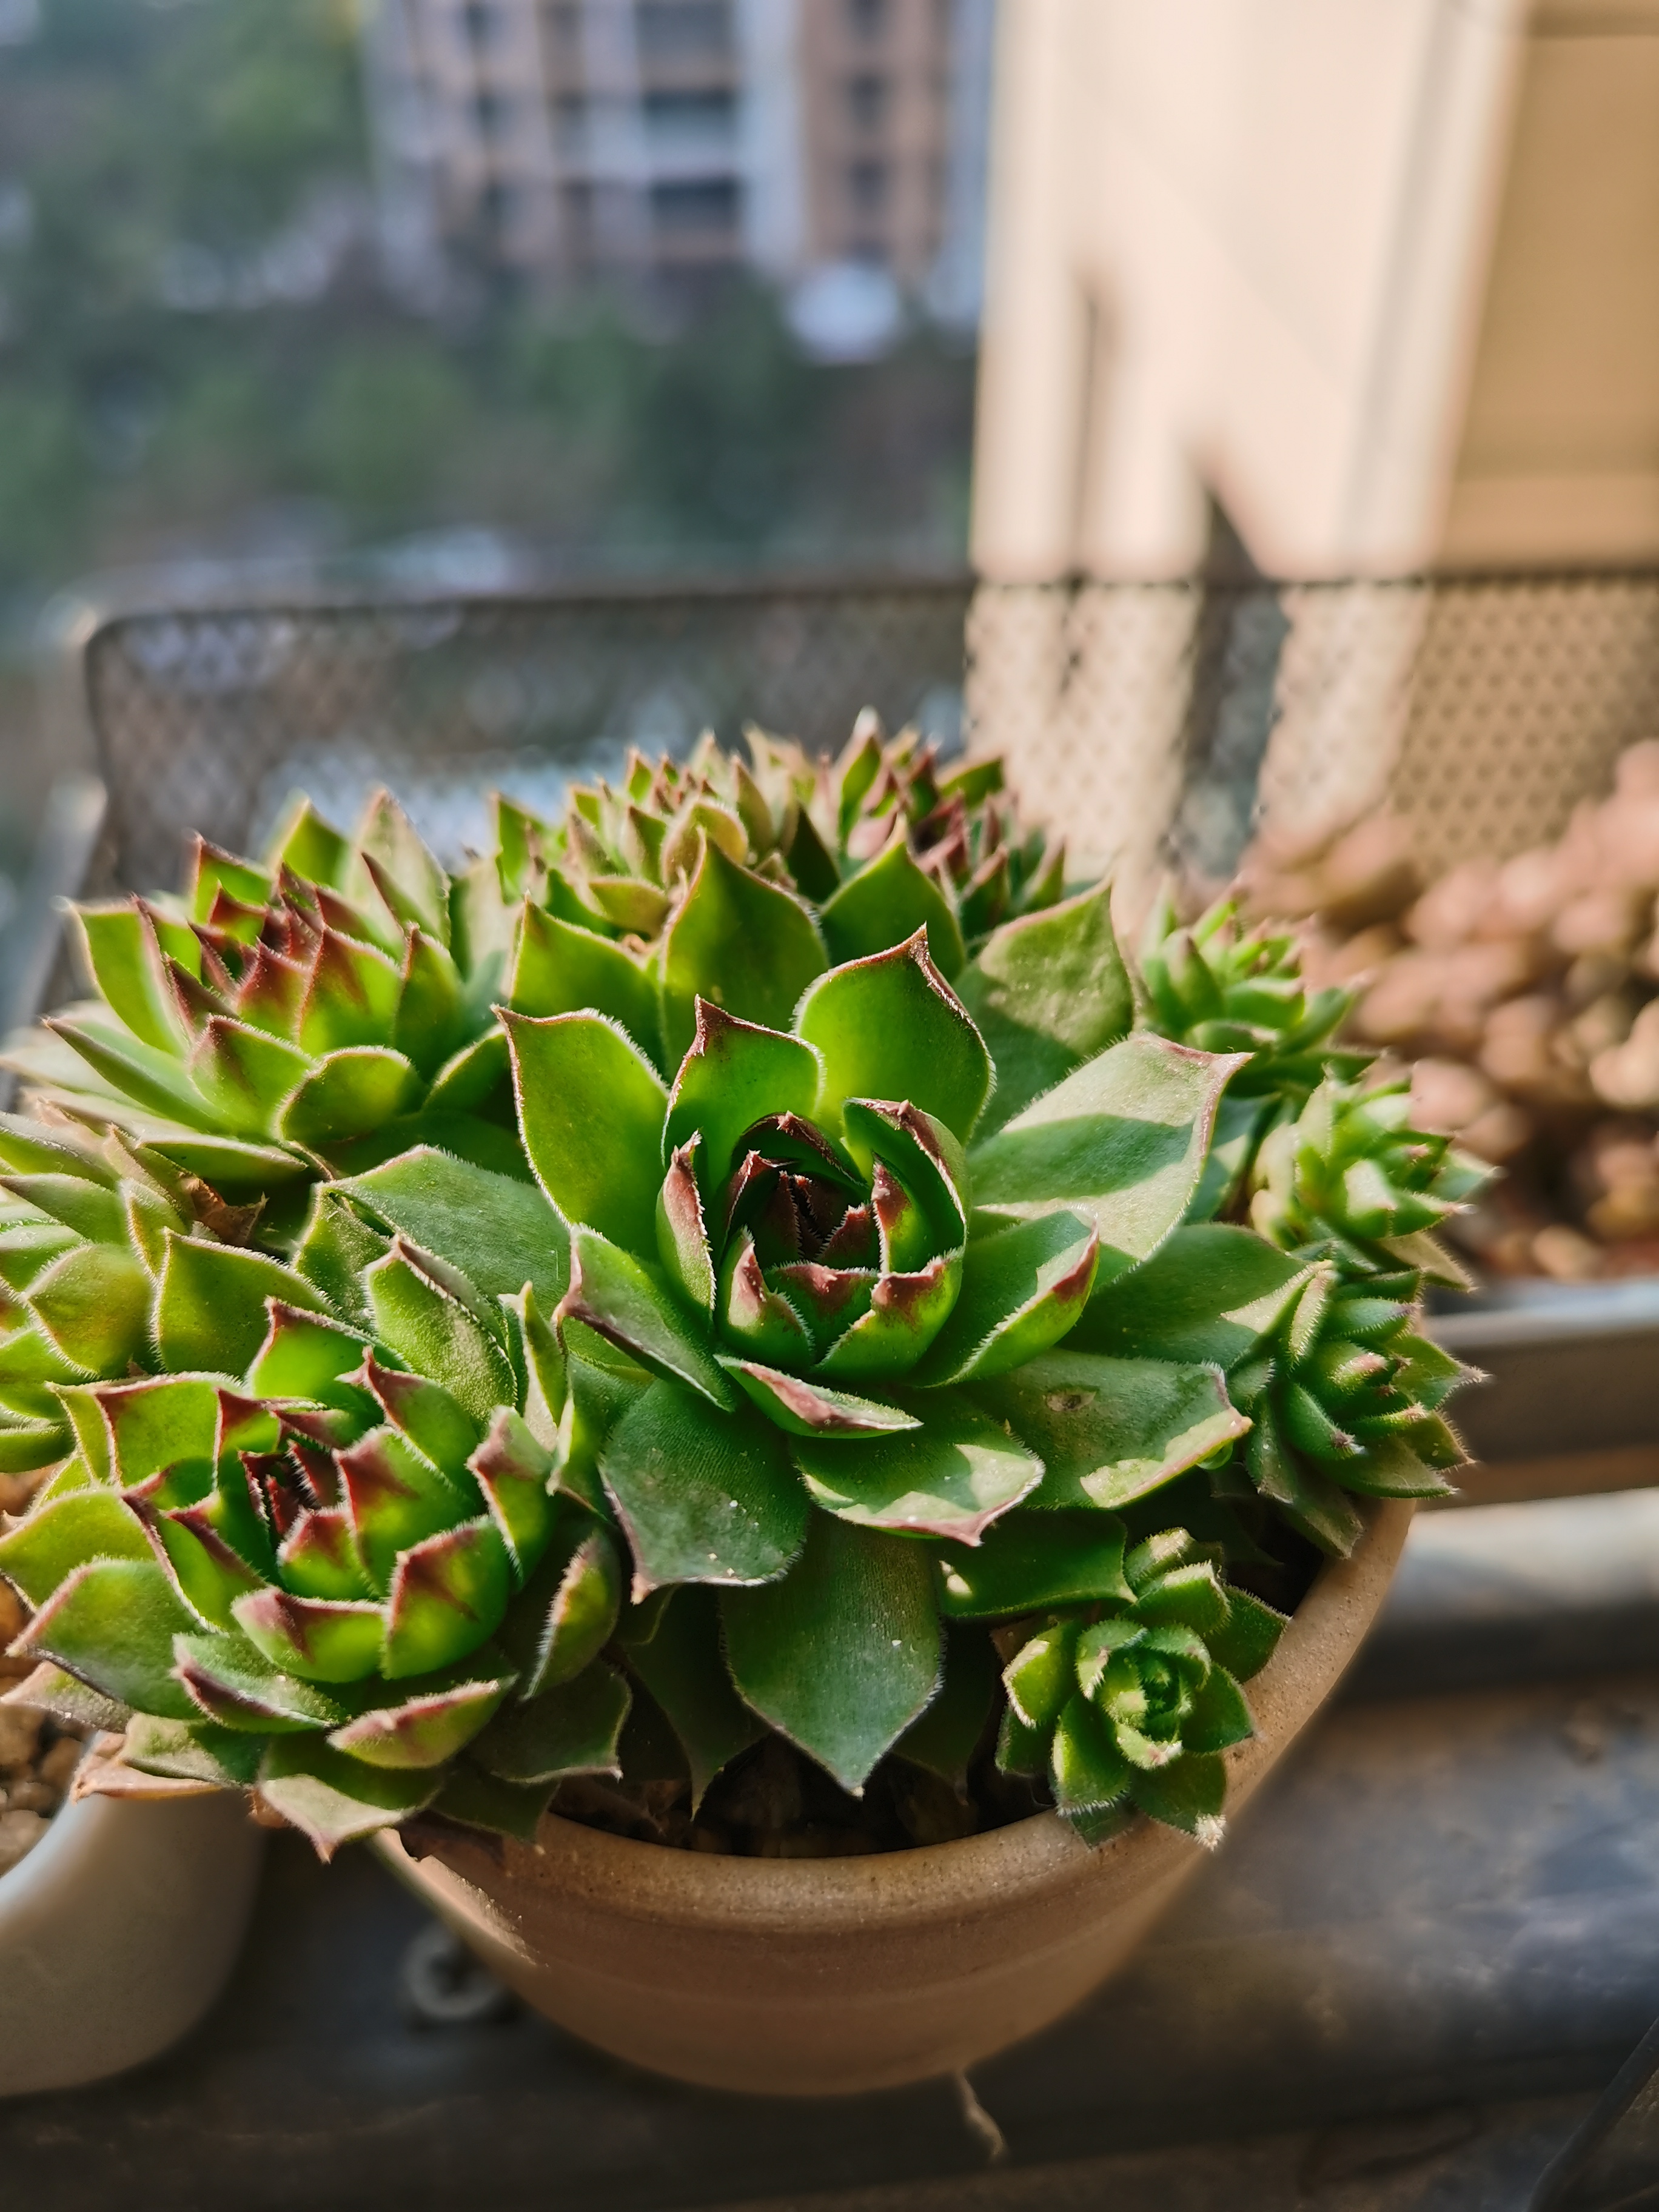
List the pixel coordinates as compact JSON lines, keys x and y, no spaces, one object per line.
{"x":1141,"y":718}
{"x":207,"y":720}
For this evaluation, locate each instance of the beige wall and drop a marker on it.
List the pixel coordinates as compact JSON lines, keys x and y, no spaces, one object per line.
{"x":1382,"y":274}
{"x":1559,"y":453}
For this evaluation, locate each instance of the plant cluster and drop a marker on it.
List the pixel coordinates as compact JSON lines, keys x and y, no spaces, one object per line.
{"x":747,"y":1263}
{"x":1524,"y":989}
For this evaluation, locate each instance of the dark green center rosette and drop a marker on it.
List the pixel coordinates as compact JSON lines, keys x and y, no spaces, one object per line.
{"x":844,"y":1324}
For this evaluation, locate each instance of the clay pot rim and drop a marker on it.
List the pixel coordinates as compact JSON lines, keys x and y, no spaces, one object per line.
{"x":653,"y":1882}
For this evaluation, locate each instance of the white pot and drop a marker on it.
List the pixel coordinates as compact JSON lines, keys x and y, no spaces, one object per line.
{"x":117,"y":1932}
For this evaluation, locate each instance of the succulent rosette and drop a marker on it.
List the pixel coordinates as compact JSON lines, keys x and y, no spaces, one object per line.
{"x":318,"y":1558}
{"x":844,"y":1349}
{"x":885,"y":822}
{"x":1134,"y":1706}
{"x":276,"y":1020}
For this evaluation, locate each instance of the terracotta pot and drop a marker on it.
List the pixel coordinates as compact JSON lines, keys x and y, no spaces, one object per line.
{"x":117,"y":1933}
{"x":817,"y":1977}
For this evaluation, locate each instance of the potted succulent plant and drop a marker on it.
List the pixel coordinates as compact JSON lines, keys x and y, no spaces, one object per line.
{"x":742,"y":1320}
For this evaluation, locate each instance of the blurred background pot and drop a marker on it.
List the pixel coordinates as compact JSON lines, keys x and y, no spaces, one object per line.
{"x":823,"y":1976}
{"x":117,"y":1932}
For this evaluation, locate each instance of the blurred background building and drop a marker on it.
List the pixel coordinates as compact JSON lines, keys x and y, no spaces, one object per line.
{"x":834,"y":143}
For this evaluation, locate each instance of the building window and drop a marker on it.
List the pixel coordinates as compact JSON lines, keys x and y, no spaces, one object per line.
{"x":867,"y":185}
{"x":866,"y":103}
{"x":706,"y":114}
{"x":482,"y":21}
{"x":702,"y":210}
{"x":490,"y":111}
{"x":564,"y":22}
{"x":866,"y":19}
{"x":683,"y":26}
{"x":497,"y":204}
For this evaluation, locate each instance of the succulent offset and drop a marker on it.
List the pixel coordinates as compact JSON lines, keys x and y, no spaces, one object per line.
{"x":834,"y":1348}
{"x":279,"y":1020}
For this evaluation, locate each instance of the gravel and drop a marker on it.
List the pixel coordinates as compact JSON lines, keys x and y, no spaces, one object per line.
{"x":37,"y":1755}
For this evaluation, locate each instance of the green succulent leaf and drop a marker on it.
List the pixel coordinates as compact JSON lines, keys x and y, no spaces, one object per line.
{"x":448,"y":1594}
{"x":1088,"y":1768}
{"x":1041,"y":1679}
{"x":570,"y":1605}
{"x":744,"y":944}
{"x":333,"y":1799}
{"x":93,"y":1305}
{"x":413,"y":887}
{"x":591,"y":1111}
{"x":1032,"y":1561}
{"x":27,"y":1446}
{"x":1248,"y":1639}
{"x":683,"y":1244}
{"x":303,"y":1355}
{"x":1189,"y":1795}
{"x":50,"y":1690}
{"x":420,"y":1316}
{"x":805,"y":1407}
{"x":951,"y":1475}
{"x":944,"y":1741}
{"x":844,"y":1653}
{"x":682,"y":1664}
{"x":47,"y":1547}
{"x":1047,"y":991}
{"x":611,"y":1293}
{"x":1189,"y":1595}
{"x":905,"y":1314}
{"x":238,"y":1686}
{"x":1219,"y":1716}
{"x":885,"y":904}
{"x":432,"y":1014}
{"x":1022,"y":1289}
{"x":501,"y":1233}
{"x":513,"y":1471}
{"x":130,"y":1070}
{"x":210,"y":1304}
{"x":559,"y":968}
{"x":1210,"y":1294}
{"x":192,"y":1751}
{"x":348,"y":1094}
{"x":1308,"y":1499}
{"x":112,"y":1623}
{"x":88,"y":1208}
{"x":889,"y":1027}
{"x":426,"y":1729}
{"x":1121,"y":1141}
{"x":396,"y":1497}
{"x":335,"y":1246}
{"x":573,"y":1729}
{"x":921,"y":1152}
{"x":703,"y":1496}
{"x":1111,"y":1431}
{"x":314,"y":1638}
{"x":478,"y":1799}
{"x":166,"y":1424}
{"x":735,"y":1073}
{"x":29,"y":1363}
{"x":123,"y":959}
{"x":29,"y":1148}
